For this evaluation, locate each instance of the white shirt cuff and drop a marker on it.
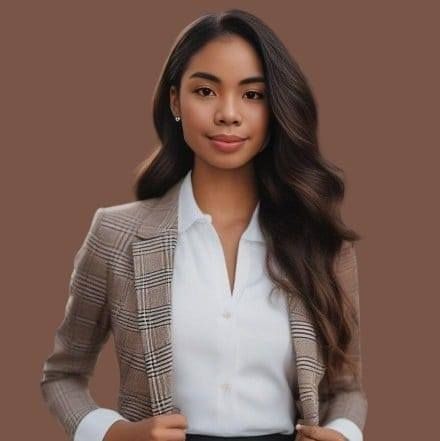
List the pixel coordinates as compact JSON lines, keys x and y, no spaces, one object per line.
{"x":347,"y":428}
{"x":96,"y":423}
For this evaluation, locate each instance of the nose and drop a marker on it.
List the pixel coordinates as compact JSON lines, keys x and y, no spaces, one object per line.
{"x":228,"y":112}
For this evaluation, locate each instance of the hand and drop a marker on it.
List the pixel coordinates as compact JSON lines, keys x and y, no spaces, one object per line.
{"x":167,"y":427}
{"x":317,"y":433}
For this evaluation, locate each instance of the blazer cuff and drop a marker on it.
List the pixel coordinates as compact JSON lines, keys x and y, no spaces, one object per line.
{"x":95,"y":424}
{"x":347,"y":428}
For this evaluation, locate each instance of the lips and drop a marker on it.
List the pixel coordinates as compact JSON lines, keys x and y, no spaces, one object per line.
{"x":227,"y":138}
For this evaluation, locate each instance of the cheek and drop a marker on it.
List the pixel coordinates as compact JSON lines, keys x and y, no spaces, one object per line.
{"x":259,"y":121}
{"x":197,"y":116}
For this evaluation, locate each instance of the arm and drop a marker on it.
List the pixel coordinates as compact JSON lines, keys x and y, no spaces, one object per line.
{"x":349,"y":401}
{"x":80,"y":336}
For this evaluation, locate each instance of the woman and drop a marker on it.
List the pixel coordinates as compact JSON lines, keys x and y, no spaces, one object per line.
{"x":237,"y":220}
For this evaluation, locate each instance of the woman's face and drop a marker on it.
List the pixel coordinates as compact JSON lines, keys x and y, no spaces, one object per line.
{"x":219,"y":104}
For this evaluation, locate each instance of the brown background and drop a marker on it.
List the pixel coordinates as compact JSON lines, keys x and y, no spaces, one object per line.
{"x":78,"y":78}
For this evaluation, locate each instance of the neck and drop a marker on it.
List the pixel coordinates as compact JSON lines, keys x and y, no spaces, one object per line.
{"x":227,"y":195}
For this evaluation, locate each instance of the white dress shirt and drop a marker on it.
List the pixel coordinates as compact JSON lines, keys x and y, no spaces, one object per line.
{"x":234,"y":362}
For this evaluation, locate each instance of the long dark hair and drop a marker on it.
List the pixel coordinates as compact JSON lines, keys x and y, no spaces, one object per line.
{"x":300,"y":192}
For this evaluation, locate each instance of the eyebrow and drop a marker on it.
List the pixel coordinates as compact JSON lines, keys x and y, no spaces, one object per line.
{"x":215,"y":79}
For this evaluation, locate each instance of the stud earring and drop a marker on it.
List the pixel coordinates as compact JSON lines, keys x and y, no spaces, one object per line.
{"x":177,"y":118}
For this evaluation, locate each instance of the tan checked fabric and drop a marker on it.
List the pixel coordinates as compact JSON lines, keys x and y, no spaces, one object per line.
{"x":121,"y":283}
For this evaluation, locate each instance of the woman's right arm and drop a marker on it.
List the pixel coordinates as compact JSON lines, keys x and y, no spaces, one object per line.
{"x":80,"y":336}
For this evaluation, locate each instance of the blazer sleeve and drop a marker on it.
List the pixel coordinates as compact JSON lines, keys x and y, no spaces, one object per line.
{"x":81,"y":334}
{"x":349,"y":400}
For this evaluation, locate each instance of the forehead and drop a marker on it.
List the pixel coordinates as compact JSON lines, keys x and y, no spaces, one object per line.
{"x":230,"y":58}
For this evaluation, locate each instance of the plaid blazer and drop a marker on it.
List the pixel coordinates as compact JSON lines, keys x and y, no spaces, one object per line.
{"x":121,"y":282}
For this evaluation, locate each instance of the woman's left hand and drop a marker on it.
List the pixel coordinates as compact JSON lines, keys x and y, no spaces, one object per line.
{"x":318,"y":433}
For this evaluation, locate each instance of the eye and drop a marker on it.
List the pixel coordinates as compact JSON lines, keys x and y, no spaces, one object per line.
{"x":258,"y":93}
{"x":251,"y":92}
{"x":201,"y":88}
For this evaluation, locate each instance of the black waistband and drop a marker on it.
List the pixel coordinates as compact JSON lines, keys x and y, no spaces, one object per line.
{"x":269,"y":437}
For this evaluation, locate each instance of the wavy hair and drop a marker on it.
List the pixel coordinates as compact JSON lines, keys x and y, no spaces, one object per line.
{"x":300,"y":192}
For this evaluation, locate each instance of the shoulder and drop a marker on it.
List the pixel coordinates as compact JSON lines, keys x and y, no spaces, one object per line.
{"x":346,"y":256}
{"x":131,"y":211}
{"x":346,"y":269}
{"x":116,"y":225}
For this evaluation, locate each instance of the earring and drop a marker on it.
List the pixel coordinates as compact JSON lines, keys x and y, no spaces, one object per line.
{"x":177,"y":118}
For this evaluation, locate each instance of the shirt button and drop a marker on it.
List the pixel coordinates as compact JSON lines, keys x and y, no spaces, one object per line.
{"x":226,"y":386}
{"x":227,"y":314}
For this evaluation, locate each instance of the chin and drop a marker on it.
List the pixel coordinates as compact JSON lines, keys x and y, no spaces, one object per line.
{"x":227,"y":162}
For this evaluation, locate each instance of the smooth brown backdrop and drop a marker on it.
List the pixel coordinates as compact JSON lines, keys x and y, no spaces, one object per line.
{"x":77,"y":80}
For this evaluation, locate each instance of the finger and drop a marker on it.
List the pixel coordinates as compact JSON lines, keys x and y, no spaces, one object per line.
{"x":318,"y":433}
{"x":303,"y":437}
{"x":175,"y":435}
{"x":309,"y":431}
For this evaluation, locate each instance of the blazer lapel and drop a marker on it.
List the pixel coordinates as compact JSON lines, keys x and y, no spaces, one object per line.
{"x":153,"y":257}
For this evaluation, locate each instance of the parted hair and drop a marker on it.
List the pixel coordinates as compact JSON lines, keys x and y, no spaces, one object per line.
{"x":300,"y":191}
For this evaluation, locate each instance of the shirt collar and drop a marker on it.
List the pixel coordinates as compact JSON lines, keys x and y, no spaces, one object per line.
{"x":189,"y":212}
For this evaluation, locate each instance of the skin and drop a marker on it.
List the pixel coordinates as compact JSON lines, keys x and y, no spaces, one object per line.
{"x":170,"y":427}
{"x":223,"y":183}
{"x":317,"y":433}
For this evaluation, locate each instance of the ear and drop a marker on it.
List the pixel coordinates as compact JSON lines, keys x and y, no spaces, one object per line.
{"x":174,"y":101}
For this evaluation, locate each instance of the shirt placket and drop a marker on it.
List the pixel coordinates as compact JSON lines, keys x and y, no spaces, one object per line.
{"x":227,"y":320}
